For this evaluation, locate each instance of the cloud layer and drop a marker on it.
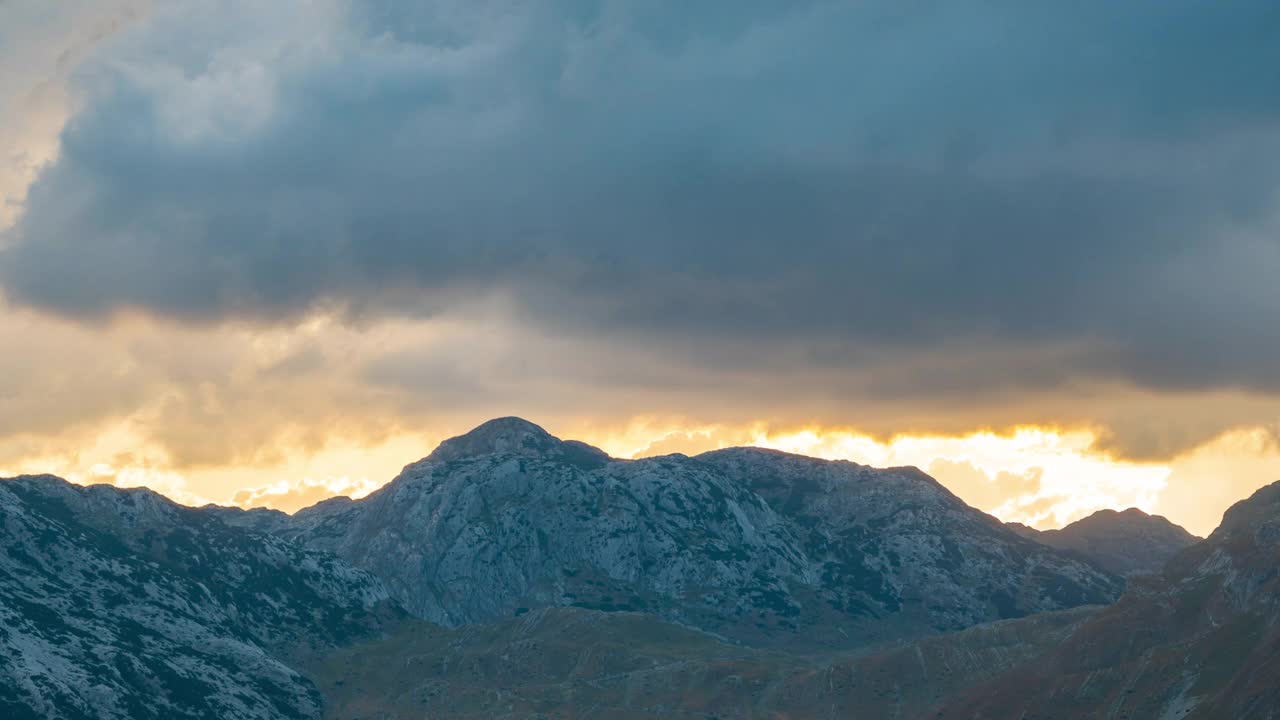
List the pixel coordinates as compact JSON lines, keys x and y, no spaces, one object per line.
{"x":1095,"y":184}
{"x":248,"y":232}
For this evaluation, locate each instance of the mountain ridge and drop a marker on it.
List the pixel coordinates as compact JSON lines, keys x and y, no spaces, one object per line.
{"x":757,"y":545}
{"x":1088,"y":663}
{"x":122,"y":604}
{"x":1199,"y":640}
{"x":1126,"y":542}
{"x":736,"y":583}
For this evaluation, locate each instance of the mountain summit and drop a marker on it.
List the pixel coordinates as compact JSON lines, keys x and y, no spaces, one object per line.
{"x":550,"y":579}
{"x":516,"y":436}
{"x":757,"y":546}
{"x":1127,"y":542}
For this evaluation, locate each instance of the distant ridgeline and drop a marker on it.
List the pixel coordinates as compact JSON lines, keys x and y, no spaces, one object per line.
{"x":513,"y":574}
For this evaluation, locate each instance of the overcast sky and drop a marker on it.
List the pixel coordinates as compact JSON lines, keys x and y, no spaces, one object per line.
{"x":240,"y":238}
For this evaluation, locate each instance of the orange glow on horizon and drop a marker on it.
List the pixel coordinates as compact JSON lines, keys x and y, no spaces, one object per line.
{"x":1044,"y":477}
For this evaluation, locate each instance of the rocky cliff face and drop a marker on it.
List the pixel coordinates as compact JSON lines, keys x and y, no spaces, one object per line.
{"x":757,"y":546}
{"x":1200,"y":640}
{"x":1126,"y":543}
{"x":120,"y":604}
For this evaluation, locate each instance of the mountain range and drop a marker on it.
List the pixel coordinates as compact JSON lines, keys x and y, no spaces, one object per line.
{"x":753,"y":545}
{"x":512,"y":574}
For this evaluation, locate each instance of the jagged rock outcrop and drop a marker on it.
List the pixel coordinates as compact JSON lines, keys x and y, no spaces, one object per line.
{"x":119,"y":604}
{"x":1126,"y":543}
{"x":757,"y":546}
{"x":1198,"y":641}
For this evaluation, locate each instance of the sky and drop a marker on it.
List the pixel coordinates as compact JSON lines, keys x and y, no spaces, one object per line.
{"x":264,"y":253}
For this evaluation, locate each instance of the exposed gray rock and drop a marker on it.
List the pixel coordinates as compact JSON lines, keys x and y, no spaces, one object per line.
{"x":514,"y":436}
{"x":757,"y":546}
{"x":120,"y":604}
{"x":1196,"y":641}
{"x":1126,"y":543}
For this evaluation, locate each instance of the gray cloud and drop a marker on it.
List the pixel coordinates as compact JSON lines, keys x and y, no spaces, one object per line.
{"x":858,"y":180}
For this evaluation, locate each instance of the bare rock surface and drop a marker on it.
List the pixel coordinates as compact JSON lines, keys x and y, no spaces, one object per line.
{"x":121,"y":604}
{"x":1198,"y":641}
{"x":1128,"y":542}
{"x":756,"y":546}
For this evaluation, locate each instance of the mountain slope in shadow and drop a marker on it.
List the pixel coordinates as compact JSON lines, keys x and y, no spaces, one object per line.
{"x":1200,"y":640}
{"x":1129,"y":542}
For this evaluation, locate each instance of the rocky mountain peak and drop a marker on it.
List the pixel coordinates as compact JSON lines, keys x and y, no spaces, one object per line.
{"x":1126,"y":542}
{"x":1258,"y":515}
{"x":1132,"y":514}
{"x":1195,"y":641}
{"x":1132,"y":518}
{"x":515,"y":436}
{"x":758,"y":546}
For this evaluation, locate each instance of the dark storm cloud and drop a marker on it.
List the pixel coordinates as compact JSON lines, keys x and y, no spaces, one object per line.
{"x":848,"y":175}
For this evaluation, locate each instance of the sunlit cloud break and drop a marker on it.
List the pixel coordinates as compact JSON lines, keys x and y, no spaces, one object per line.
{"x":1041,"y":477}
{"x":292,"y":495}
{"x":1060,"y":218}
